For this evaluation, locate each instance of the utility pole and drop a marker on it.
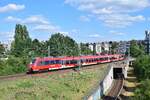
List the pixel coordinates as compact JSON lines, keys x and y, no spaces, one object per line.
{"x":79,"y":56}
{"x":48,"y":51}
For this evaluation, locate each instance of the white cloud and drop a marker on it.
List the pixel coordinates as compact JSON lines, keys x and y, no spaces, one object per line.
{"x":46,"y":28}
{"x":75,"y":31}
{"x":116,"y":33}
{"x":13,"y":19}
{"x":117,"y":12}
{"x":94,"y":35}
{"x":11,"y":7}
{"x":35,"y":19}
{"x":37,"y":23}
{"x":84,"y":18}
{"x":6,"y":36}
{"x":119,"y":20}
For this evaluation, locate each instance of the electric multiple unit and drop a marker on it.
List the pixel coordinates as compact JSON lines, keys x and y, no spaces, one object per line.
{"x":51,"y":63}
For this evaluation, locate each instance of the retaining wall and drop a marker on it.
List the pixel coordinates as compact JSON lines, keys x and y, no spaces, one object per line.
{"x":102,"y":87}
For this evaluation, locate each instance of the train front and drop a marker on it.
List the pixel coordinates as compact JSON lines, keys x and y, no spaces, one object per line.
{"x":32,"y":65}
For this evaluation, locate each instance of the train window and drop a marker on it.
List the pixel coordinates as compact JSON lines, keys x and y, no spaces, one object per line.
{"x":73,"y":62}
{"x":86,"y":60}
{"x":46,"y":63}
{"x":106,"y":58}
{"x":67,"y":61}
{"x":81,"y":60}
{"x":89,"y":60}
{"x":92,"y":60}
{"x":58,"y":61}
{"x":100,"y":59}
{"x":52,"y":62}
{"x":33,"y":61}
{"x":41,"y":63}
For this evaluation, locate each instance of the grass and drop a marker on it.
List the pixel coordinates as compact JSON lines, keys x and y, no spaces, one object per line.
{"x":69,"y":86}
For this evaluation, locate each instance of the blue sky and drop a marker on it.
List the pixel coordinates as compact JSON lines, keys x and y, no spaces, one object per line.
{"x":83,"y":20}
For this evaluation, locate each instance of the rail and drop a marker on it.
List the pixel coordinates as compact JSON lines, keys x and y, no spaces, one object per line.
{"x":44,"y":73}
{"x":120,"y":88}
{"x":12,"y":76}
{"x":115,"y":90}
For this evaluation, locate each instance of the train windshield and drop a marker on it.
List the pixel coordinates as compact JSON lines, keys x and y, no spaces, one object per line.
{"x":33,"y":61}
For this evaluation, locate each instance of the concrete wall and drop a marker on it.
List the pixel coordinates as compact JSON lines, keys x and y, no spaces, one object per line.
{"x":102,"y":88}
{"x":125,"y":69}
{"x":108,"y":80}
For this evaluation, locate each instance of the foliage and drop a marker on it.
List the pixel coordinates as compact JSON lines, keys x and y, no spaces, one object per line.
{"x":19,"y":53}
{"x":135,"y":49}
{"x":142,"y":67}
{"x":84,"y":49}
{"x":13,"y":65}
{"x":38,"y":48}
{"x":2,"y":50}
{"x":142,"y":71}
{"x":113,"y":48}
{"x":61,"y":45}
{"x":22,"y":42}
{"x":143,"y":92}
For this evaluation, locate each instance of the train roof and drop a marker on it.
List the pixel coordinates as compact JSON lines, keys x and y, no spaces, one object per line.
{"x":76,"y":57}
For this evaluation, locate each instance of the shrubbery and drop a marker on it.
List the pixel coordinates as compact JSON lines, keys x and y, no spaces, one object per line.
{"x":142,"y":67}
{"x":142,"y":71}
{"x":143,"y":92}
{"x":13,"y":65}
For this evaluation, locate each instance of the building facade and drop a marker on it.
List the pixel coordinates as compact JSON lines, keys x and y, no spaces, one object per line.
{"x":99,"y":48}
{"x":123,"y":47}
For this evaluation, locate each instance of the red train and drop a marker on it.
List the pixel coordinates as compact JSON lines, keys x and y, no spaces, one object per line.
{"x":50,"y":63}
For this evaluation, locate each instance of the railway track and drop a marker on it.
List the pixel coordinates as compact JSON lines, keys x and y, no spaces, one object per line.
{"x":12,"y":76}
{"x":45,"y":73}
{"x":115,"y":90}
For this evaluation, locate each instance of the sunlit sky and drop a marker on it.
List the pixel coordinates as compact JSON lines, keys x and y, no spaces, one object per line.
{"x":83,"y":20}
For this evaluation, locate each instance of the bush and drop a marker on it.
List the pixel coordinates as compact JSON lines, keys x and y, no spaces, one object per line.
{"x":142,"y":67}
{"x":143,"y":92}
{"x":13,"y":65}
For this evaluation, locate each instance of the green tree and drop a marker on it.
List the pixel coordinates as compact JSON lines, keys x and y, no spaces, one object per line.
{"x":84,"y":49}
{"x":113,"y":47}
{"x":22,"y":41}
{"x":61,"y":45}
{"x":70,"y":47}
{"x":2,"y":50}
{"x":135,"y":49}
{"x":143,"y":92}
{"x":142,"y":67}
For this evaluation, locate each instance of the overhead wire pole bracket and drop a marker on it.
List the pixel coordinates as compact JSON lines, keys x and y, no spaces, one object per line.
{"x":79,"y":62}
{"x":48,"y":51}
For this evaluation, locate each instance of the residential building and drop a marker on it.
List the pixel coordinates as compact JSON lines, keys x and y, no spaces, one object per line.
{"x":99,"y":48}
